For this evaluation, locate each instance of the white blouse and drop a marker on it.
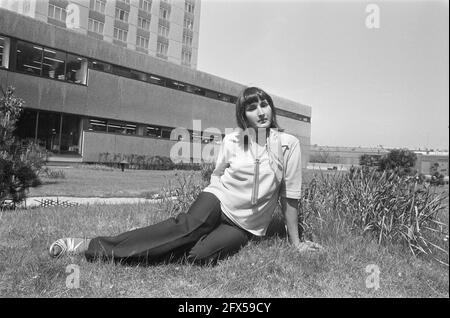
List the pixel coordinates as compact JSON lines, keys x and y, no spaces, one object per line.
{"x":233,"y":181}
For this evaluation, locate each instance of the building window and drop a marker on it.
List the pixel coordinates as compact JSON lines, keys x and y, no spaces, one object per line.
{"x":97,"y":125}
{"x":100,"y":66}
{"x":57,"y":13}
{"x":121,"y":128}
{"x":53,"y":65}
{"x":162,"y":48}
{"x":189,"y":7}
{"x":4,"y":52}
{"x":95,"y":26}
{"x":121,"y":15}
{"x":163,"y":30}
{"x":187,"y":40}
{"x":164,"y":13}
{"x":140,"y":76}
{"x":145,"y":5}
{"x":120,"y":34}
{"x":144,"y":23}
{"x":165,"y":133}
{"x":153,"y":131}
{"x":142,"y":42}
{"x":29,"y":58}
{"x":188,"y":23}
{"x":98,"y":5}
{"x":156,"y":80}
{"x":125,"y":1}
{"x":76,"y":69}
{"x":186,"y":57}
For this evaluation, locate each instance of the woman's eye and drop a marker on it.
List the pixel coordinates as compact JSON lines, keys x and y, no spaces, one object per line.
{"x":250,"y":108}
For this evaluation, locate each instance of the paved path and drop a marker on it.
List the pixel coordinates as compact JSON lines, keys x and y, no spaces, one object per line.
{"x":67,"y":201}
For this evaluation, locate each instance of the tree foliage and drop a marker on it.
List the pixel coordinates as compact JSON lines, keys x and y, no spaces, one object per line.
{"x":401,"y":161}
{"x":17,"y":173}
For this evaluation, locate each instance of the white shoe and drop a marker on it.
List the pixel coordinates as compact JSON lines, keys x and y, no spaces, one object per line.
{"x":66,"y":246}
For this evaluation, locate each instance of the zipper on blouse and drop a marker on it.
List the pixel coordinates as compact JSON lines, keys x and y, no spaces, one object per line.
{"x":255,"y":182}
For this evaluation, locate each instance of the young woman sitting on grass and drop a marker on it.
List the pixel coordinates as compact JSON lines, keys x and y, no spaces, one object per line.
{"x":256,"y":165}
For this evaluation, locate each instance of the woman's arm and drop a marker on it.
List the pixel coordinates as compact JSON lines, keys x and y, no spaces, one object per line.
{"x":221,"y":164}
{"x":289,"y":208}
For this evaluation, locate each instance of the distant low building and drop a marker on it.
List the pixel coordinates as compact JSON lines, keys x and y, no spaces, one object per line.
{"x":341,"y":158}
{"x":342,"y":155}
{"x":431,"y":162}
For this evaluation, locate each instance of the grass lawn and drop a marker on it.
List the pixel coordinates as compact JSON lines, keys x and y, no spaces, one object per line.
{"x":264,"y":268}
{"x":86,"y":181}
{"x":101,"y":181}
{"x":267,"y":268}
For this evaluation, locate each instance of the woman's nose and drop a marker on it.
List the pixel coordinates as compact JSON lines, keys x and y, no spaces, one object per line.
{"x":259,"y":111}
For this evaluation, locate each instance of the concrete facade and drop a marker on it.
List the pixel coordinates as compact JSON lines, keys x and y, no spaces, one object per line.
{"x":114,"y":97}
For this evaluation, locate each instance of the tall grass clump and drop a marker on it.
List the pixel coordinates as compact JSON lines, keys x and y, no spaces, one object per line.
{"x":395,"y":209}
{"x":179,"y":194}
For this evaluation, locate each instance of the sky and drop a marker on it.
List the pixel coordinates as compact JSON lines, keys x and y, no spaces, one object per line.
{"x":386,"y":85}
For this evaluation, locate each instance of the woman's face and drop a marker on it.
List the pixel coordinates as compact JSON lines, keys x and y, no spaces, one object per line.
{"x":259,"y":114}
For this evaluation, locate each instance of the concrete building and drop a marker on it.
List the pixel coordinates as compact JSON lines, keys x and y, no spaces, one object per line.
{"x":429,"y":163}
{"x":86,"y":96}
{"x":167,"y":29}
{"x":341,"y":157}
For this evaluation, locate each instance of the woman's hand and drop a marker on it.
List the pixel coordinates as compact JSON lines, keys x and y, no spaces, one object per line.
{"x":308,"y":246}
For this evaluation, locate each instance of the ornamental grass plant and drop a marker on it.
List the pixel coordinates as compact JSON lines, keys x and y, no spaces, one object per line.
{"x":394,"y":209}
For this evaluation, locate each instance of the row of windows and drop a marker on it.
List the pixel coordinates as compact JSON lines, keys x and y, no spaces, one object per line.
{"x":119,"y":34}
{"x":154,"y":131}
{"x":122,"y":15}
{"x":38,"y":60}
{"x":42,"y":61}
{"x":100,"y":5}
{"x":142,"y":24}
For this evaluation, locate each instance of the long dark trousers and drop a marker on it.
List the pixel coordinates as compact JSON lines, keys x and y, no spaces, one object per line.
{"x":203,"y":234}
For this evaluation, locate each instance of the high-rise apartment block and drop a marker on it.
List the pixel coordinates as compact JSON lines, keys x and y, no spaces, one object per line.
{"x":167,"y":29}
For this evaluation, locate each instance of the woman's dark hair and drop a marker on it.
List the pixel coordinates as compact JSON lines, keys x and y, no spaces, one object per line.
{"x":249,"y":96}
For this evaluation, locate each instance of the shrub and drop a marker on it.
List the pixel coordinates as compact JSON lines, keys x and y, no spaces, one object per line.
{"x":393,"y":208}
{"x":400,"y":161}
{"x":177,"y":196}
{"x":437,"y":179}
{"x":18,"y":169}
{"x":144,"y":162}
{"x":369,"y":160}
